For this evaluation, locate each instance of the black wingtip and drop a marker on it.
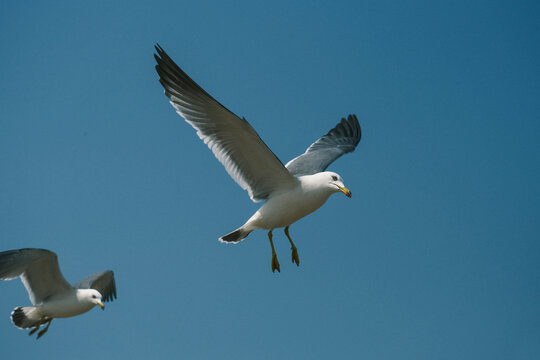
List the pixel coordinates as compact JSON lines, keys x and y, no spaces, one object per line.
{"x":112,"y":288}
{"x":161,"y":54}
{"x":354,"y":120}
{"x":159,"y":57}
{"x":354,"y":125}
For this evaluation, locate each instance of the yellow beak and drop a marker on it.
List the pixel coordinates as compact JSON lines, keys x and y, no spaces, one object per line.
{"x":101,"y":305}
{"x":344,"y":190}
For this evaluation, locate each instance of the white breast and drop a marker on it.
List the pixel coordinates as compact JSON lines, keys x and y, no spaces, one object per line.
{"x":65,"y":305}
{"x":286,"y":208}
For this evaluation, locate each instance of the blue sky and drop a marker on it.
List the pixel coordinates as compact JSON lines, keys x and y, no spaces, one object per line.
{"x":436,"y":256}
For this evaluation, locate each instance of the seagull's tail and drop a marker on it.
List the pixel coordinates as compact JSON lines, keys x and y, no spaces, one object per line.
{"x":236,"y":236}
{"x":25,"y":317}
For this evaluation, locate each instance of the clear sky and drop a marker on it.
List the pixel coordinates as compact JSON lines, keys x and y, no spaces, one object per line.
{"x":436,"y":256}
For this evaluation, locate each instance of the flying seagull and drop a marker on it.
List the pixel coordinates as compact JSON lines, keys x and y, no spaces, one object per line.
{"x":51,"y":295}
{"x":291,"y":191}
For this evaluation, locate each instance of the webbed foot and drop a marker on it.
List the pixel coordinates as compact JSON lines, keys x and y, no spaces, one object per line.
{"x":42,"y":332}
{"x":36,"y":328}
{"x":294,"y":256}
{"x":294,"y":253}
{"x":275,"y":263}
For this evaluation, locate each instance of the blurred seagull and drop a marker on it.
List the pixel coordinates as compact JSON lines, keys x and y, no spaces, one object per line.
{"x":291,"y":191}
{"x":52,"y":296}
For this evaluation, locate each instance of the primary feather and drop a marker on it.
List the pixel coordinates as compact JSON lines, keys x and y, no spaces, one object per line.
{"x":342,"y":139}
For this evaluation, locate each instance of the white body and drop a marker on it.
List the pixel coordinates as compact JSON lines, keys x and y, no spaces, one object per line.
{"x":285,"y":208}
{"x":67,"y":305}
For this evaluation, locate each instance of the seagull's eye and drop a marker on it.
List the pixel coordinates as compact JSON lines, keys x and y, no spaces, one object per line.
{"x":93,"y":296}
{"x":334,"y":177}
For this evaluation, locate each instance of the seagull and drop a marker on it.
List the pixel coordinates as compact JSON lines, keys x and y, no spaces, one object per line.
{"x":290,"y":192}
{"x":51,"y":295}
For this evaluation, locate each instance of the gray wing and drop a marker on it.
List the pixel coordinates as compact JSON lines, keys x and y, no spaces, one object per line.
{"x":38,"y":269}
{"x":103,"y":282}
{"x":340,"y":140}
{"x":233,"y":141}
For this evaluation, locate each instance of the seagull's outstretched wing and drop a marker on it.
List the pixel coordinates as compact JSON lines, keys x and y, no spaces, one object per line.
{"x":38,"y":269}
{"x":233,"y":141}
{"x":340,"y":140}
{"x":103,"y":282}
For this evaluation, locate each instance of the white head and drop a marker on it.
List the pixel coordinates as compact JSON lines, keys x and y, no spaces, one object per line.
{"x":92,"y":296}
{"x":334,"y":182}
